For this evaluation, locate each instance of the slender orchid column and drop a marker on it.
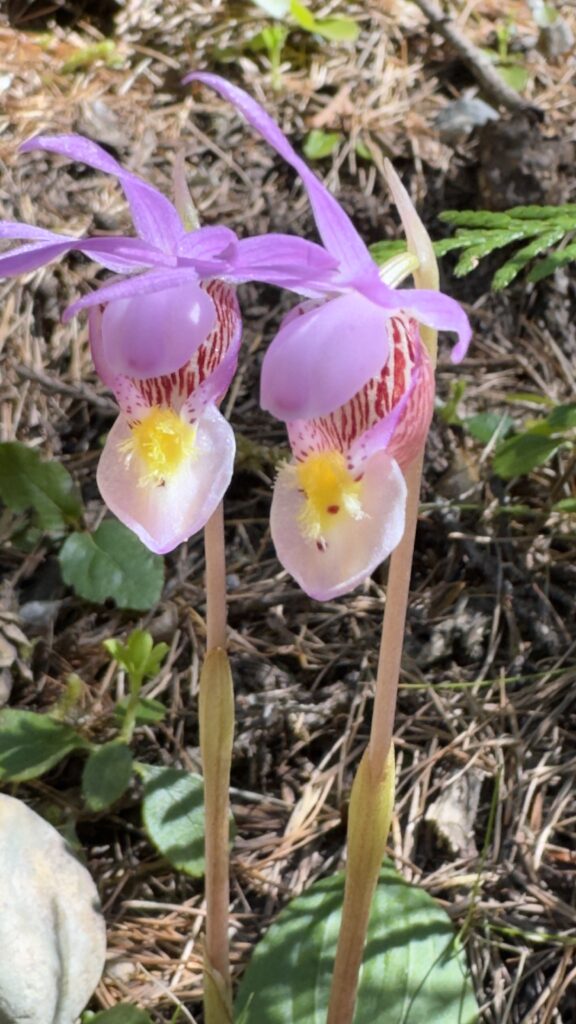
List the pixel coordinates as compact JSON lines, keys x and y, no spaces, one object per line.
{"x":372,"y":796}
{"x":216,"y":712}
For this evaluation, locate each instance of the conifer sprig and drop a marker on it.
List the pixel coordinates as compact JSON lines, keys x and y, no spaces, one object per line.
{"x":480,"y":233}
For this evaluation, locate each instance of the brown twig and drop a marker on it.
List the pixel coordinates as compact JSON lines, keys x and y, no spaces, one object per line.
{"x":479,"y":63}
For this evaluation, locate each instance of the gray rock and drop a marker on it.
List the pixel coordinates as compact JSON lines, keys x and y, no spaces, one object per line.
{"x":459,"y":117}
{"x":52,"y":933}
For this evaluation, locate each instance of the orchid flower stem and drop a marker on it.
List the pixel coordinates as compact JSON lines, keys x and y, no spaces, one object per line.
{"x":215,"y":580}
{"x":390,"y":657}
{"x":216,"y":714}
{"x":372,"y":796}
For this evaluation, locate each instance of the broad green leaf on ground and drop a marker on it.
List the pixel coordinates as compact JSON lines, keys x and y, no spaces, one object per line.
{"x":484,"y":425}
{"x":173,"y":812}
{"x":123,"y":1013}
{"x":106,"y":775}
{"x":319,"y":144}
{"x":520,"y":454}
{"x":112,"y":563}
{"x":413,"y":970}
{"x":31,"y":744}
{"x":563,"y":417}
{"x":28,"y":482}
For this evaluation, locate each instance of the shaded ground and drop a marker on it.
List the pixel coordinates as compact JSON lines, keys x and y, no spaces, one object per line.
{"x":487,"y":700}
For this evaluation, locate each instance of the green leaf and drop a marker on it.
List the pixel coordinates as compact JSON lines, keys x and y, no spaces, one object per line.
{"x":413,"y":969}
{"x":148,"y":711}
{"x":319,"y":144}
{"x":475,"y":219}
{"x":139,"y":655}
{"x":547,"y":266}
{"x":520,"y":454}
{"x":338,"y":30}
{"x":512,"y":267}
{"x":31,"y":744}
{"x":515,"y":75}
{"x":28,"y":482}
{"x":382,"y":251}
{"x":483,"y":245}
{"x":302,"y":16}
{"x":563,"y":417}
{"x":106,"y":775}
{"x":173,"y":812}
{"x":363,"y":151}
{"x":485,"y":424}
{"x":528,"y":396}
{"x":565,"y":505}
{"x":448,"y":411}
{"x":123,"y":1013}
{"x":112,"y":563}
{"x":271,"y":40}
{"x":105,"y":50}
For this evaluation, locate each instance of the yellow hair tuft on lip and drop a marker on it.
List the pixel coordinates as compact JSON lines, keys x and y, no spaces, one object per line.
{"x":161,"y":443}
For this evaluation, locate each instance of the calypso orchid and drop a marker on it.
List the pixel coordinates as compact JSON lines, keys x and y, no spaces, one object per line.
{"x":164,"y":337}
{"x":351,"y":377}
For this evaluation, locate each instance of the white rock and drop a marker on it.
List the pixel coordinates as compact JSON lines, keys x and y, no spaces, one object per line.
{"x":52,"y":933}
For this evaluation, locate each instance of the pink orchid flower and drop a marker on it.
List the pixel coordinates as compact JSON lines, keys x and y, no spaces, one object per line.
{"x":338,"y":507}
{"x":351,"y":377}
{"x":165,"y":337}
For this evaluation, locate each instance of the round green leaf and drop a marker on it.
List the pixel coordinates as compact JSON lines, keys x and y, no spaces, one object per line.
{"x":520,"y":454}
{"x":562,"y":417}
{"x":319,"y":144}
{"x":31,"y":744}
{"x":112,"y":563}
{"x":173,"y":812}
{"x":106,"y":775}
{"x":28,"y":482}
{"x":413,"y":969}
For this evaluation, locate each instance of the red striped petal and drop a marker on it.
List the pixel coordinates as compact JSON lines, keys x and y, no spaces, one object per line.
{"x":407,"y":377}
{"x":203,"y":379}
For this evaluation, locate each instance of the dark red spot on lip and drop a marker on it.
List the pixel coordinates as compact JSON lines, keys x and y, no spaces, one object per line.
{"x":333,"y":509}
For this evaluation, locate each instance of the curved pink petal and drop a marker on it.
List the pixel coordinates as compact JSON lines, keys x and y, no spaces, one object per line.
{"x":165,"y":516}
{"x":336,"y":229}
{"x":392,"y":410}
{"x":207,"y":243}
{"x":318,"y":360}
{"x":428,"y":307}
{"x":199,"y":382}
{"x":208,"y":374}
{"x":125,"y":254}
{"x":157,"y":332}
{"x":403,"y":431}
{"x":354,"y":547}
{"x":154,"y":216}
{"x":143,"y":284}
{"x":14,"y":229}
{"x":286,"y":261}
